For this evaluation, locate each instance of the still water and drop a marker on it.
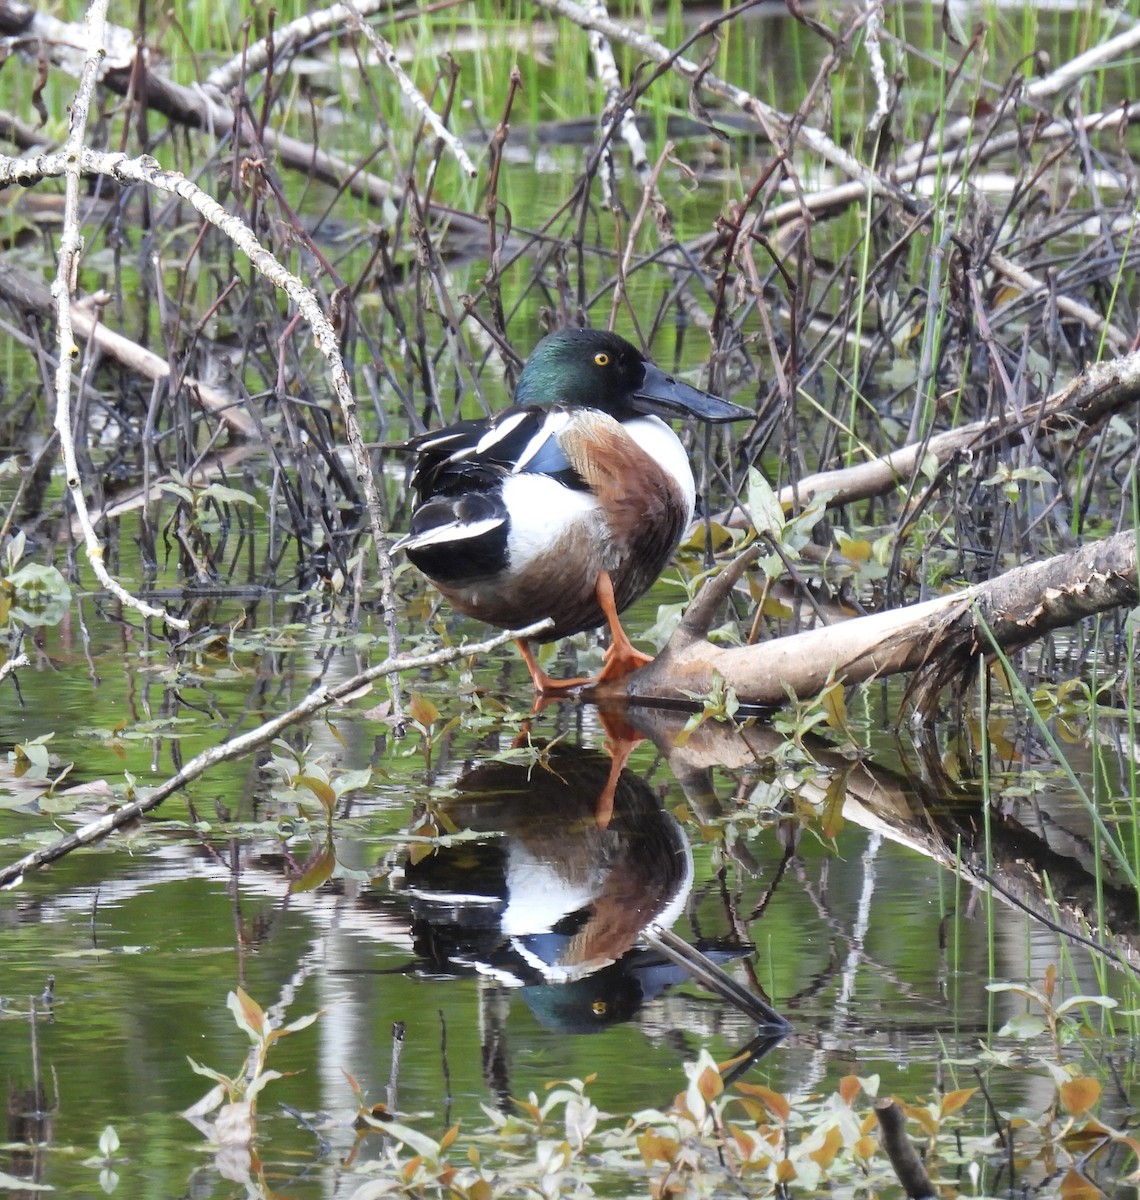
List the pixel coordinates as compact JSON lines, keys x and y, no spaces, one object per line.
{"x":485,"y":952}
{"x":868,"y":886}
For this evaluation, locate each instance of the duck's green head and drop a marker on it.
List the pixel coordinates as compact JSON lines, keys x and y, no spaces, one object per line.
{"x":592,"y":368}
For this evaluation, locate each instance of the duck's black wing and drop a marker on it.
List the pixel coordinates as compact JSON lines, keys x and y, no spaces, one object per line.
{"x":477,"y":455}
{"x":461,"y":524}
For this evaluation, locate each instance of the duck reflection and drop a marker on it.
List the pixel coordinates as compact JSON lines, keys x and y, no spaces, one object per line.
{"x":550,"y":901}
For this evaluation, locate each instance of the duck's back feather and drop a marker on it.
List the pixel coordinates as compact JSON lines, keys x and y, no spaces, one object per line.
{"x":483,"y":452}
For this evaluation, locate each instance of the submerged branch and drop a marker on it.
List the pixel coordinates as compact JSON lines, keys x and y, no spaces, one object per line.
{"x":900,"y":1150}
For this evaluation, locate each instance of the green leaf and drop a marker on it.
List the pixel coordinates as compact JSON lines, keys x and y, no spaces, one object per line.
{"x":422,"y":710}
{"x":183,"y":493}
{"x":299,"y":1024}
{"x":763,"y":507}
{"x":15,"y":550}
{"x":1033,"y":475}
{"x":419,"y":1142}
{"x":797,"y":531}
{"x":323,"y":792}
{"x":351,"y":781}
{"x":1022,"y":989}
{"x":316,"y":871}
{"x":229,"y":495}
{"x":1080,"y":1001}
{"x":210,"y":1073}
{"x":257,"y":1084}
{"x":40,"y":595}
{"x":1025,"y":1027}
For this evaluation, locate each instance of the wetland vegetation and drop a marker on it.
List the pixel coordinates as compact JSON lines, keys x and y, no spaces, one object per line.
{"x":300,"y":896}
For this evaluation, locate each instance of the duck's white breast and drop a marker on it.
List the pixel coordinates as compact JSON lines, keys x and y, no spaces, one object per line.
{"x":664,"y":447}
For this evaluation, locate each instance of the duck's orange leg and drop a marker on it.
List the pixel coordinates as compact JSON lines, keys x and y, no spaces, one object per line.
{"x":622,"y":657}
{"x":544,"y":685}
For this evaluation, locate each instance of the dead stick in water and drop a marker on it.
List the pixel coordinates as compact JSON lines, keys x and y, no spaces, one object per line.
{"x":900,"y":1150}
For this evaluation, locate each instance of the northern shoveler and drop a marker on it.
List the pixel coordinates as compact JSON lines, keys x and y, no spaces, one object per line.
{"x":568,"y":505}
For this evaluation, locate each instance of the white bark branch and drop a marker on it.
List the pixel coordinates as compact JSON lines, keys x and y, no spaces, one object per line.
{"x":70,"y":247}
{"x":1096,"y":392}
{"x":411,"y":93}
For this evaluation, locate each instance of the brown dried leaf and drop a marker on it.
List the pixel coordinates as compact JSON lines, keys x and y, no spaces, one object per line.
{"x":777,"y":1105}
{"x":1080,"y":1094}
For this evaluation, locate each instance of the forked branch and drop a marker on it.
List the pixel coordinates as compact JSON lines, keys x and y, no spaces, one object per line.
{"x":938,"y":638}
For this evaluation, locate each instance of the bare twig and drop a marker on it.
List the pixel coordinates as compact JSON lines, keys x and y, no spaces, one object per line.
{"x":146,"y":171}
{"x":304,"y":29}
{"x":966,"y":128}
{"x":13,"y":664}
{"x":71,"y":242}
{"x":413,"y":96}
{"x":200,"y":108}
{"x":777,"y":124}
{"x":1120,"y":341}
{"x":878,"y":67}
{"x":900,"y":1150}
{"x":28,"y":293}
{"x":1103,"y":388}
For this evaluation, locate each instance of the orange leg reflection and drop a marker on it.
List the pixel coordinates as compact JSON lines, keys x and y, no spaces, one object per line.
{"x":621,"y":739}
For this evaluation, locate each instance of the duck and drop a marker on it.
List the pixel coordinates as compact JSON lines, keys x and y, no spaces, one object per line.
{"x":569,"y":504}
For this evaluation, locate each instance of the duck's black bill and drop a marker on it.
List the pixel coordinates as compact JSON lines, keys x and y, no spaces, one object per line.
{"x":663,"y":395}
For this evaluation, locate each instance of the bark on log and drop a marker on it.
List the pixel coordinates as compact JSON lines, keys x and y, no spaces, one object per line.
{"x":938,"y":638}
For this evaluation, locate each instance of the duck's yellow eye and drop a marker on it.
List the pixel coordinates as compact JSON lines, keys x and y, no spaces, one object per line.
{"x":602,"y":359}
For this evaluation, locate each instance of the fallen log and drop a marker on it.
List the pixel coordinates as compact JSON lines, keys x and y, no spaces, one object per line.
{"x":937,"y":638}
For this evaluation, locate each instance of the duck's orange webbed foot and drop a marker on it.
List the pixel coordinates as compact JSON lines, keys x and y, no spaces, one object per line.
{"x":622,"y":657}
{"x":544,"y":685}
